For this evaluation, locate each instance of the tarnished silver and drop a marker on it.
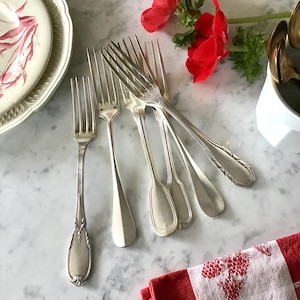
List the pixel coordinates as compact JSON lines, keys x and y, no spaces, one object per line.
{"x":210,"y":200}
{"x":162,"y":210}
{"x":79,"y":255}
{"x":123,"y":225}
{"x":146,"y":90}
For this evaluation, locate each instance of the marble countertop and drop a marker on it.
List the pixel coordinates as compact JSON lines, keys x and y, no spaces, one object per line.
{"x":38,"y":164}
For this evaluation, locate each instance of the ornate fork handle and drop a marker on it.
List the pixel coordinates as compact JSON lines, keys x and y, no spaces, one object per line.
{"x":235,"y":169}
{"x":79,"y":256}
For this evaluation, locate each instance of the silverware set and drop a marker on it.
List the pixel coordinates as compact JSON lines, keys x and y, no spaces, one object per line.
{"x":135,"y":74}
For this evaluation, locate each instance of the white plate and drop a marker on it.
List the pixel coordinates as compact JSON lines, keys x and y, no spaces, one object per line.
{"x":25,"y":47}
{"x":55,"y":70}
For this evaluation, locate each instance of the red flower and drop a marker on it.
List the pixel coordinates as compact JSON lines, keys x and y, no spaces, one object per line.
{"x":210,"y":45}
{"x":158,"y":15}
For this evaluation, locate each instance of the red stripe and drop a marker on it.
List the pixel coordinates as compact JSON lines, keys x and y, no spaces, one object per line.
{"x":290,"y":249}
{"x":171,"y":286}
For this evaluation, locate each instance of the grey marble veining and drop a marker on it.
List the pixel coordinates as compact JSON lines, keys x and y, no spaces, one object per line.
{"x":38,"y":164}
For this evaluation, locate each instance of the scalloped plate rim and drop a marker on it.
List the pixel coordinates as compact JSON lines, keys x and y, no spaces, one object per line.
{"x":49,"y":82}
{"x":38,"y":40}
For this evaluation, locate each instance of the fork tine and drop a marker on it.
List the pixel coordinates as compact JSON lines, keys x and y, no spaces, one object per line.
{"x":126,"y":66}
{"x":164,"y":87}
{"x":123,"y":77}
{"x":90,"y":104}
{"x":153,"y":59}
{"x":105,"y":91}
{"x":133,"y":57}
{"x":97,"y":80}
{"x":111,"y":91}
{"x":83,"y":105}
{"x":75,"y":104}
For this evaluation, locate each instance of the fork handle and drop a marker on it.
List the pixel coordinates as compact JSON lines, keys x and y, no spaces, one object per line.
{"x":210,"y":200}
{"x":123,"y":225}
{"x":79,"y":254}
{"x":175,"y":185}
{"x":235,"y":169}
{"x":163,"y":215}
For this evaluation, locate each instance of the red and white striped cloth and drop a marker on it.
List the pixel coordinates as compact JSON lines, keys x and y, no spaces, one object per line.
{"x":269,"y":271}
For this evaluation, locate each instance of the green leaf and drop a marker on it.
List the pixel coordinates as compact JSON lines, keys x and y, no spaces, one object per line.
{"x":184,"y":39}
{"x":252,"y":46}
{"x":188,"y":12}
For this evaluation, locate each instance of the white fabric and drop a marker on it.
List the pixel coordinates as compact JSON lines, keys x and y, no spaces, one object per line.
{"x":258,"y":273}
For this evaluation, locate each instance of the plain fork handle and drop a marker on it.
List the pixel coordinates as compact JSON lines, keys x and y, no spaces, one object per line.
{"x":123,"y":225}
{"x":210,"y":200}
{"x":235,"y":169}
{"x":175,"y":185}
{"x":79,"y":255}
{"x":162,"y":210}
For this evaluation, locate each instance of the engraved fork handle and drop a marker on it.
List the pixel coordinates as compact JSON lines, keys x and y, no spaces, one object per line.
{"x":123,"y":226}
{"x":235,"y":169}
{"x":79,"y":255}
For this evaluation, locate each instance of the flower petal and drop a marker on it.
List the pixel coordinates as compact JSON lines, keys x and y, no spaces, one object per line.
{"x":202,"y":61}
{"x":158,"y":15}
{"x":153,"y":19}
{"x":204,"y":25}
{"x":210,"y":45}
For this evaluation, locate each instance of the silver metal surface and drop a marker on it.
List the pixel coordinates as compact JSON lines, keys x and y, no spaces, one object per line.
{"x":162,"y":210}
{"x":210,"y":201}
{"x":146,"y":89}
{"x":153,"y":56}
{"x":173,"y":183}
{"x":123,"y":225}
{"x":79,"y":255}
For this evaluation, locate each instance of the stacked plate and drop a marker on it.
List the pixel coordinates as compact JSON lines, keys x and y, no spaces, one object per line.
{"x":35,"y":50}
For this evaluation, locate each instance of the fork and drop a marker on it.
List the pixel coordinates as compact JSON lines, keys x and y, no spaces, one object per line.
{"x":162,"y":210}
{"x":123,"y":225}
{"x":173,"y":183}
{"x":146,"y":89}
{"x":79,"y":255}
{"x":210,"y":200}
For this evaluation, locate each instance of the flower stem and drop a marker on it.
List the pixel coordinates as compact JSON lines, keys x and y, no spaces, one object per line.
{"x":255,"y":19}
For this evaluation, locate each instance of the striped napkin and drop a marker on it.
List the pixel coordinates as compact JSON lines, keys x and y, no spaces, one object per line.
{"x":263,"y":272}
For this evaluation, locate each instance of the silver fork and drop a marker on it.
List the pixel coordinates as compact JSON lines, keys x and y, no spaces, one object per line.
{"x":123,"y":225}
{"x":175,"y":185}
{"x":210,"y":200}
{"x":79,"y":255}
{"x":162,"y":210}
{"x":146,"y":89}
